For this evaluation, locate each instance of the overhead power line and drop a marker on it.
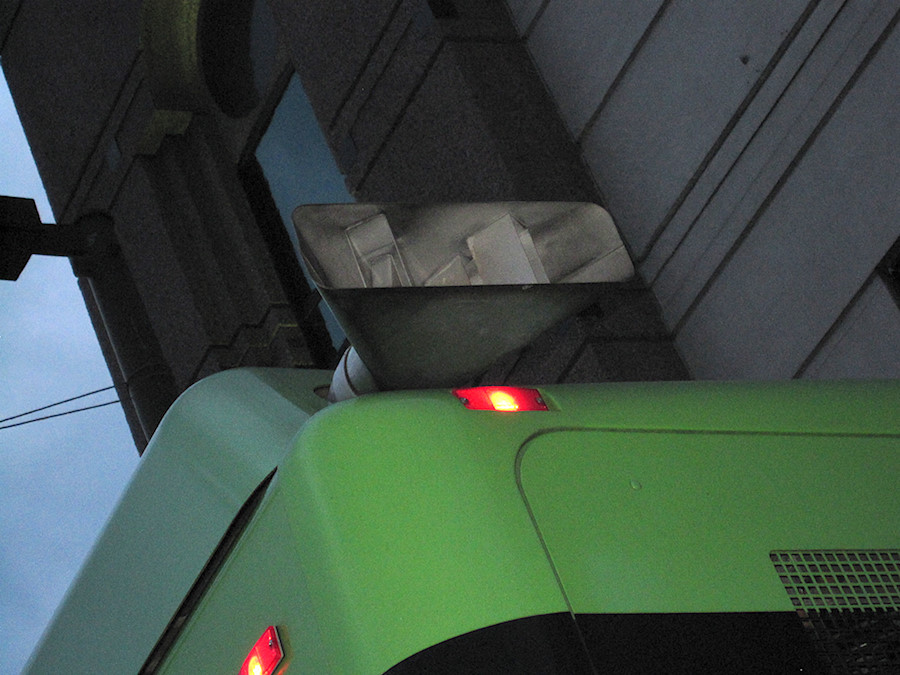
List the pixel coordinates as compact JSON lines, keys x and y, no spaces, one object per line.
{"x":47,"y":417}
{"x":53,"y":405}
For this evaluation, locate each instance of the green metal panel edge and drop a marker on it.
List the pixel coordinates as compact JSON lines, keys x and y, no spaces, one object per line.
{"x":858,"y":407}
{"x":469,"y":492}
{"x":781,"y":413}
{"x":663,"y":522}
{"x":215,"y":444}
{"x":411,"y":525}
{"x":392,"y":562}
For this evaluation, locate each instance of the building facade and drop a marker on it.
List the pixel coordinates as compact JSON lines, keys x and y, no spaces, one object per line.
{"x":747,"y":154}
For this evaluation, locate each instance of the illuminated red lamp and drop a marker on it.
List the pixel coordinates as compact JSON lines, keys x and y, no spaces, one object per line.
{"x":265,"y":656}
{"x":501,"y":399}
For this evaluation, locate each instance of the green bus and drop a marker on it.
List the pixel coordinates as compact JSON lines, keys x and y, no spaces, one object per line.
{"x":624,"y":528}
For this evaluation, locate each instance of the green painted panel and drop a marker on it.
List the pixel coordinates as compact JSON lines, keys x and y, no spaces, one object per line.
{"x":394,"y":524}
{"x":412,"y":526}
{"x":213,"y":447}
{"x":396,"y":521}
{"x":261,"y":585}
{"x":684,"y":522}
{"x":847,"y":407}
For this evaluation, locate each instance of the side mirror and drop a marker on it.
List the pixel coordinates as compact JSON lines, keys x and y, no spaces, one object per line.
{"x":430,"y":296}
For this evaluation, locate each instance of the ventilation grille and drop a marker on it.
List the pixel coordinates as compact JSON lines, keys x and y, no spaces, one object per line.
{"x":849,"y":603}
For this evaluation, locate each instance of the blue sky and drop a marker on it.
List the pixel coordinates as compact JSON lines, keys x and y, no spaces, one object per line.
{"x":59,"y":478}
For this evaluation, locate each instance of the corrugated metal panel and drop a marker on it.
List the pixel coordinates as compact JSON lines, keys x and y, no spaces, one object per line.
{"x":866,"y":343}
{"x":747,"y":153}
{"x":814,"y":245}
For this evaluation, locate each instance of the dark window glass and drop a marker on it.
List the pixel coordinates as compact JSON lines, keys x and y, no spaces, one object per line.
{"x":753,"y":642}
{"x":306,"y":302}
{"x":889,"y":268}
{"x":300,"y":169}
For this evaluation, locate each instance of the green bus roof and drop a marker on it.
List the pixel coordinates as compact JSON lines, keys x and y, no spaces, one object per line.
{"x":228,"y":432}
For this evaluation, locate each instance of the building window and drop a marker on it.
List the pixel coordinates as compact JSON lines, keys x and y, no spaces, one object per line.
{"x":300,"y":169}
{"x":889,"y":269}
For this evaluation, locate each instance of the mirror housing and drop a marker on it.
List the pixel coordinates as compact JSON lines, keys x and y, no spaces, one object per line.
{"x":431,"y":296}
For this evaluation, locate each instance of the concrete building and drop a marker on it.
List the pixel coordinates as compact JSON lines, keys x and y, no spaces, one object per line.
{"x":749,"y":154}
{"x":747,"y":151}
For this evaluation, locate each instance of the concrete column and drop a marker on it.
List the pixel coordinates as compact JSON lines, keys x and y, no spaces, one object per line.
{"x":146,"y":384}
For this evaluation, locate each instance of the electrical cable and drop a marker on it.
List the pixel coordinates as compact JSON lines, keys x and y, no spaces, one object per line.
{"x":53,"y":405}
{"x":47,"y":417}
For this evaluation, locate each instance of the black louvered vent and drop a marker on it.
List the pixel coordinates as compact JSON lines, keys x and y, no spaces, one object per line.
{"x":849,"y":603}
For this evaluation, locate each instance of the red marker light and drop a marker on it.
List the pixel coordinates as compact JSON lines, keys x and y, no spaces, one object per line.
{"x":501,"y":399}
{"x":265,"y":656}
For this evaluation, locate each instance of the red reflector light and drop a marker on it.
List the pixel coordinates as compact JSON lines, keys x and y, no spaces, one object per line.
{"x":501,"y":399}
{"x":265,"y":656}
